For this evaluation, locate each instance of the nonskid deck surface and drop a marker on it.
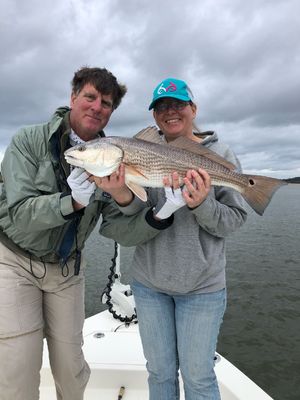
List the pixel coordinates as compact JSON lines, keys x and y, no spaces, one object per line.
{"x":115,"y":356}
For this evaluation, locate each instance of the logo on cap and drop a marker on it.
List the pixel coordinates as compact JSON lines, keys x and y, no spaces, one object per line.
{"x":171,"y":88}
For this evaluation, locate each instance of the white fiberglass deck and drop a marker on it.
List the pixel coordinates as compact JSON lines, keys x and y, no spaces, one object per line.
{"x":116,"y":359}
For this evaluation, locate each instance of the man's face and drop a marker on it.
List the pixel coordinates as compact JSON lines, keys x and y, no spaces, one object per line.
{"x":90,"y":112}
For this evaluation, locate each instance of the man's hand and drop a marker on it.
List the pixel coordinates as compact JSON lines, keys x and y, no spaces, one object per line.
{"x":115,"y":185}
{"x":174,"y":198}
{"x":81,"y":188}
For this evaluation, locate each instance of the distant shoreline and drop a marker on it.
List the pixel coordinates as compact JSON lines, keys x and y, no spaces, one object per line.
{"x":293,"y":180}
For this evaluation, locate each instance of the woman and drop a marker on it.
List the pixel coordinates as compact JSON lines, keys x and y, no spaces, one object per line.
{"x":179,"y":274}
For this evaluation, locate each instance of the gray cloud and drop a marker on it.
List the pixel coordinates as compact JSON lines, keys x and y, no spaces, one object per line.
{"x":241,"y":60}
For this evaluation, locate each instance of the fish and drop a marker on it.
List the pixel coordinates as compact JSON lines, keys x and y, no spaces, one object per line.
{"x":148,"y":158}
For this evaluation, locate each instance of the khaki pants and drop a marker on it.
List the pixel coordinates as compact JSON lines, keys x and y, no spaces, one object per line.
{"x":31,"y":307}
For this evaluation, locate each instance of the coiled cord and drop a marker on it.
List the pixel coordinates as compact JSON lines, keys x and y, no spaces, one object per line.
{"x":111,"y":277}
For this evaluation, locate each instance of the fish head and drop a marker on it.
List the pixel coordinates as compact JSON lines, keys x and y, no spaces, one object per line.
{"x":99,"y":159}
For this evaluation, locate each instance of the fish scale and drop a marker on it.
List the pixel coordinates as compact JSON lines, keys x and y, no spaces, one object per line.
{"x":155,"y":163}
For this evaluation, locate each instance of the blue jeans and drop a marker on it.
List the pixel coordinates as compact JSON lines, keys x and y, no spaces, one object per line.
{"x":180,"y":331}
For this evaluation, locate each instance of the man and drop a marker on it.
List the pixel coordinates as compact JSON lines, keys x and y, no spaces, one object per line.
{"x":46,"y":215}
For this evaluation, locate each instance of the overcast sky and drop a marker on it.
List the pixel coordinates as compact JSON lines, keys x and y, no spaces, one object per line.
{"x":240,"y":58}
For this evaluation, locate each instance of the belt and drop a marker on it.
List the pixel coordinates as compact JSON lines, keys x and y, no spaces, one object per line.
{"x":51,"y":258}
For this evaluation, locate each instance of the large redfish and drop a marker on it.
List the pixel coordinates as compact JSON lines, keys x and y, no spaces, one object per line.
{"x":148,"y":159}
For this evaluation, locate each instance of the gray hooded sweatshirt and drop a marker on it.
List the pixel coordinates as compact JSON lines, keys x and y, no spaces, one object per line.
{"x":189,"y":256}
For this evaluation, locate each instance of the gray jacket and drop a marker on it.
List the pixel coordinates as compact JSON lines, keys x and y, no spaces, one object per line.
{"x":35,"y":200}
{"x":35,"y":203}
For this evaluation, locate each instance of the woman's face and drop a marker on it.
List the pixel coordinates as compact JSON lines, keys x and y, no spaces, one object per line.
{"x":175,"y":117}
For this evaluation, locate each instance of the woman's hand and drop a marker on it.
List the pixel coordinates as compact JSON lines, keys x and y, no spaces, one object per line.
{"x":115,"y":185}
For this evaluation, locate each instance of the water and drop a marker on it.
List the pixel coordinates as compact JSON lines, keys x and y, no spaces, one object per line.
{"x":260,"y":333}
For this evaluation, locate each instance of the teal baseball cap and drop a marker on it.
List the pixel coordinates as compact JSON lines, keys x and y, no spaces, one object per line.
{"x":171,"y":87}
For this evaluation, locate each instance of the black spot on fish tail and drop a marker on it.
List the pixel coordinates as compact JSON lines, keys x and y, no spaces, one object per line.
{"x":260,"y":191}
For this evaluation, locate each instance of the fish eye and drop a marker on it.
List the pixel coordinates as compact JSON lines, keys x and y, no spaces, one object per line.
{"x":81,"y":148}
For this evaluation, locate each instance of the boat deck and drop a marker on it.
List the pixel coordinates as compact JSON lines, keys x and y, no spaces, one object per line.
{"x":115,"y":356}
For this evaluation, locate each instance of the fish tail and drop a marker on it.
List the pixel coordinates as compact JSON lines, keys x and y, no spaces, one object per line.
{"x":260,"y":190}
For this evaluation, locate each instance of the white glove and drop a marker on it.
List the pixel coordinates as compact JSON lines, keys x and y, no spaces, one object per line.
{"x":174,"y":201}
{"x":82,"y":189}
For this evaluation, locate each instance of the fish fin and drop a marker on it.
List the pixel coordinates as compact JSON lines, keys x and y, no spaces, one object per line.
{"x":260,"y":190}
{"x":150,"y":134}
{"x":138,"y":190}
{"x":131,"y":170}
{"x":197,"y":148}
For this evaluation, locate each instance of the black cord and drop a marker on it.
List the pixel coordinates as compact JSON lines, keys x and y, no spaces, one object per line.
{"x":31,"y":269}
{"x":126,"y":324}
{"x":108,"y":289}
{"x":65,"y":267}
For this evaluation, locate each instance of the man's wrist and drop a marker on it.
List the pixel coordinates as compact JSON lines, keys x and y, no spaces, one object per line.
{"x":77,"y":206}
{"x":125,"y":199}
